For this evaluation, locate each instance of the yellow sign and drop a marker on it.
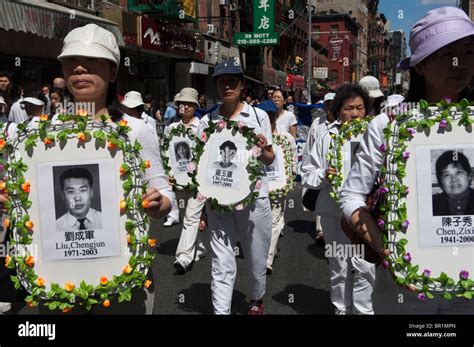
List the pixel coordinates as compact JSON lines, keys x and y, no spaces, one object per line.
{"x":189,"y":7}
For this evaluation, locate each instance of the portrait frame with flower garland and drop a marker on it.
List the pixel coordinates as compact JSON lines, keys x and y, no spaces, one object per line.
{"x":179,"y":170}
{"x":230,"y":194}
{"x":416,"y":246}
{"x":65,"y":284}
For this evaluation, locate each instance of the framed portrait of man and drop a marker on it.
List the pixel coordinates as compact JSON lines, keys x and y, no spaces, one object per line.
{"x":223,"y":168}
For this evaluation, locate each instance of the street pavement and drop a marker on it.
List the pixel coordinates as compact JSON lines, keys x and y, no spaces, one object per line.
{"x":299,"y":283}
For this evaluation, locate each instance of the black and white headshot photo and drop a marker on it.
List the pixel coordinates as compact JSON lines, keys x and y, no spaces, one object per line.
{"x":77,"y":197}
{"x":182,"y":151}
{"x":223,"y":169}
{"x":227,"y":152}
{"x":452,"y":186}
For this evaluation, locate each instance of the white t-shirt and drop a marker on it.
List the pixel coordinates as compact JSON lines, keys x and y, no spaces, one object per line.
{"x":248,"y":116}
{"x":285,"y":120}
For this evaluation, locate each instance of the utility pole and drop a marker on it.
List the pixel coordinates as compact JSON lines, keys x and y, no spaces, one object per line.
{"x":310,"y":65}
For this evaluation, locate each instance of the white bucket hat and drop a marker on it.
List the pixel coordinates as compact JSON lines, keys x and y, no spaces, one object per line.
{"x":187,"y":95}
{"x":132,"y":99}
{"x":91,"y":41}
{"x":371,"y":86}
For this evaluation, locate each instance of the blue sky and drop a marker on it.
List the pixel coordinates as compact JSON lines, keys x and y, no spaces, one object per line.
{"x":410,"y":11}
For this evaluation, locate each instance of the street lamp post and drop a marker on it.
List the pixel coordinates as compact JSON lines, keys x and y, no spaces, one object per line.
{"x":310,"y":67}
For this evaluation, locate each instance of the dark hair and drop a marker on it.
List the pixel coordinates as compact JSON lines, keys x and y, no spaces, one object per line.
{"x":6,"y":74}
{"x":184,"y":145}
{"x":283,"y":93}
{"x":347,"y":91}
{"x":417,"y":90}
{"x":58,"y":91}
{"x":76,"y":172}
{"x":228,"y":144}
{"x":447,"y":158}
{"x":148,"y":99}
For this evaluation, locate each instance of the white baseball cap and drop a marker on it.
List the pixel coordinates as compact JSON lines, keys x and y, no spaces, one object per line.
{"x":132,"y":99}
{"x":91,"y":41}
{"x":34,"y":101}
{"x":371,"y":86}
{"x":329,"y":96}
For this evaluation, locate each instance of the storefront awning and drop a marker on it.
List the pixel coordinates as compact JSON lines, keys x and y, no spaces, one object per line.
{"x":49,"y":20}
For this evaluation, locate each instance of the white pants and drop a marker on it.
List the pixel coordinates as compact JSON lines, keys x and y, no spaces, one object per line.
{"x":278,"y":223}
{"x":190,"y":241}
{"x":252,"y":227}
{"x":390,"y":298}
{"x":352,"y":278}
{"x":174,"y":213}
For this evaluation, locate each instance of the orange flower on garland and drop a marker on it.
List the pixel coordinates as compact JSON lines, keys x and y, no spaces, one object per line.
{"x":40,"y":281}
{"x":123,"y":123}
{"x":123,"y":205}
{"x":106,"y":303}
{"x":29,"y":224}
{"x":26,"y":187}
{"x":129,"y":239}
{"x":152,"y":242}
{"x":147,"y":283}
{"x":30,"y":260}
{"x":67,"y":309}
{"x":7,"y":260}
{"x":145,"y":203}
{"x":82,"y":113}
{"x":44,"y":117}
{"x":147,"y":164}
{"x":123,"y":169}
{"x":3,"y":185}
{"x":2,"y":143}
{"x":81,"y":137}
{"x":69,"y":286}
{"x":6,"y":223}
{"x":111,"y":146}
{"x":104,"y":280}
{"x":127,"y":269}
{"x":47,"y":141}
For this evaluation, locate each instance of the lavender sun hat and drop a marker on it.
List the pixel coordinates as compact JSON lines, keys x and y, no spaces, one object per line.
{"x":438,"y":28}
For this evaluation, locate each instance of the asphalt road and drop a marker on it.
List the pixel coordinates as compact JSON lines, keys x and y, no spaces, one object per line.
{"x":299,"y":283}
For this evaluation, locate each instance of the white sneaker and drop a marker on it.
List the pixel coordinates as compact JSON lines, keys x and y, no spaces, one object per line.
{"x":169,"y":222}
{"x":199,"y":254}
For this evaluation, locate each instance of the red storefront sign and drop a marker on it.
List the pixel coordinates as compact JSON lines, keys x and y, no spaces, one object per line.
{"x":295,"y":82}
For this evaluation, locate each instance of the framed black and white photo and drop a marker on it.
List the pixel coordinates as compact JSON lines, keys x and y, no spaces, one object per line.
{"x":226,"y":160}
{"x":73,"y":202}
{"x":177,"y":156}
{"x":75,"y":192}
{"x":444,"y":184}
{"x":426,"y":209}
{"x":227,"y":169}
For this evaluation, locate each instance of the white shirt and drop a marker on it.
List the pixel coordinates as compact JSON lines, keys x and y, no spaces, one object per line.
{"x":286,"y":120}
{"x":248,"y":116}
{"x":193,"y":125}
{"x":366,"y":167}
{"x":149,"y":121}
{"x":67,"y":222}
{"x":313,"y":172}
{"x":17,"y":113}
